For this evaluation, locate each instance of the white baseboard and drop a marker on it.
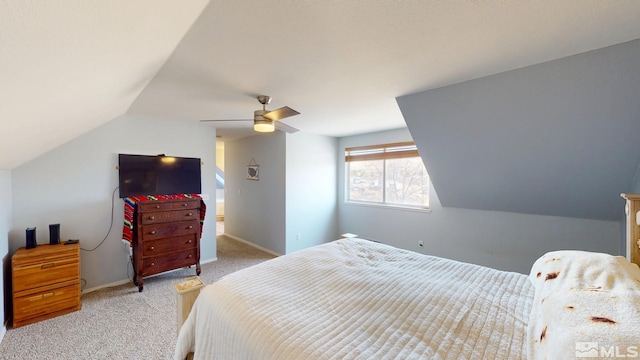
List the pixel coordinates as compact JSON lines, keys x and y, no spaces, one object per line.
{"x":127,"y":281}
{"x":116,"y":283}
{"x":252,"y":244}
{"x":202,"y":262}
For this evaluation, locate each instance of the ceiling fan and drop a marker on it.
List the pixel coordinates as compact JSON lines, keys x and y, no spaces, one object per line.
{"x":267,"y":121}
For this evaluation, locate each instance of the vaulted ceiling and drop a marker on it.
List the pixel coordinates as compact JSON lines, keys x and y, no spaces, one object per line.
{"x":69,"y":66}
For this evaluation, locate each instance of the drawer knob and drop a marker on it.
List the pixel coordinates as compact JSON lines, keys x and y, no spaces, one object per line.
{"x":189,"y":214}
{"x":190,"y":227}
{"x":189,"y":242}
{"x":152,"y":217}
{"x":47,"y":266}
{"x":152,"y":232}
{"x":157,"y":206}
{"x":190,"y":256}
{"x":185,"y":204}
{"x":152,"y":248}
{"x":152,"y":264}
{"x":44,"y":296}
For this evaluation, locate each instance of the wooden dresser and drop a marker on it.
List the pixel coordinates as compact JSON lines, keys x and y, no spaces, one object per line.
{"x":166,"y":236}
{"x":46,"y":282}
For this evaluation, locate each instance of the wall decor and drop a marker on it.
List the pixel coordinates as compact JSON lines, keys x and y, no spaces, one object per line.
{"x":253,"y":170}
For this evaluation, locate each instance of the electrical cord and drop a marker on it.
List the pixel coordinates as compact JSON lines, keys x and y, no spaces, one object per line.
{"x":110,"y":226}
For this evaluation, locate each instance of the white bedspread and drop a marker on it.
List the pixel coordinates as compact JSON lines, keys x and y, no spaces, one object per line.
{"x":355,"y":299}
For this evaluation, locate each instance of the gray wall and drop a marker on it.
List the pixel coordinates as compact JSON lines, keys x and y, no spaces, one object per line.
{"x":5,"y":225}
{"x":311,"y":186}
{"x":557,"y":138}
{"x":73,"y":185}
{"x":501,"y":240}
{"x":296,"y":192}
{"x":254,"y":211}
{"x":635,"y":187}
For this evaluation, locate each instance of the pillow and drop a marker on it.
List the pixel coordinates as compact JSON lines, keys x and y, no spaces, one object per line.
{"x":586,"y":305}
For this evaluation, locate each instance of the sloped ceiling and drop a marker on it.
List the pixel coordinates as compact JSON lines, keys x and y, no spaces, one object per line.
{"x":559,"y":138}
{"x":342,"y":63}
{"x":68,"y":66}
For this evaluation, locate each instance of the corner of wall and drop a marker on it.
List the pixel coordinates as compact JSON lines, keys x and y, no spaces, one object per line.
{"x":6,"y":218}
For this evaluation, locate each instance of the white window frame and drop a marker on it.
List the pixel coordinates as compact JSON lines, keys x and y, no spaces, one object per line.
{"x":382,"y":152}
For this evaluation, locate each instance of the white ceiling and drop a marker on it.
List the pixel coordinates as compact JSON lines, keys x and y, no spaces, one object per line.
{"x":68,"y":66}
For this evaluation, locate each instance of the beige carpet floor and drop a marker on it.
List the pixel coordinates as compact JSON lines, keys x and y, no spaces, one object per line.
{"x":120,"y":322}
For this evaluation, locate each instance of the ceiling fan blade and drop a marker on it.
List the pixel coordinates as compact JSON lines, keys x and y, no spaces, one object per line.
{"x":281,"y":113}
{"x":227,"y":120}
{"x":284,"y":127}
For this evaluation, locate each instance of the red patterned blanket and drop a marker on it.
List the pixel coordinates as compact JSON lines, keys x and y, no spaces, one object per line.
{"x":130,"y":207}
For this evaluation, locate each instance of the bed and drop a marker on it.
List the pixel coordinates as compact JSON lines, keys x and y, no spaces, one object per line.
{"x":357,"y":299}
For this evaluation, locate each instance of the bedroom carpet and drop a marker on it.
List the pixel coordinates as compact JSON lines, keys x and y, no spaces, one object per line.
{"x":121,"y":323}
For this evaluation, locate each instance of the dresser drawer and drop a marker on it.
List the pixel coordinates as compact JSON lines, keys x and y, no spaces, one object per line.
{"x":156,"y":264}
{"x":154,"y":206}
{"x":169,"y":205}
{"x":38,"y":304}
{"x":186,"y":204}
{"x":178,"y":228}
{"x":45,"y":253}
{"x":167,"y":245}
{"x":46,"y":273}
{"x":168,"y":216}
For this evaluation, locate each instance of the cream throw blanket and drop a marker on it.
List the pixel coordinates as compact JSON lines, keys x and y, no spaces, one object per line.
{"x":586,"y":305}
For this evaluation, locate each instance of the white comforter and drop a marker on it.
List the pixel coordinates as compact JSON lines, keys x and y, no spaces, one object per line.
{"x":355,"y":299}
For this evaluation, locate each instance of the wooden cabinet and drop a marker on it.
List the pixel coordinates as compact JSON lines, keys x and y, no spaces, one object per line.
{"x":166,"y":236}
{"x":45,"y":282}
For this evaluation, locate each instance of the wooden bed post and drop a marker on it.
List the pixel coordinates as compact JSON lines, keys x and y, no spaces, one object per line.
{"x":632,"y":211}
{"x":187,"y":292}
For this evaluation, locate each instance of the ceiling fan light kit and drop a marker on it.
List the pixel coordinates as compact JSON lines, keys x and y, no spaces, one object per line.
{"x":264,"y":120}
{"x":260,"y":124}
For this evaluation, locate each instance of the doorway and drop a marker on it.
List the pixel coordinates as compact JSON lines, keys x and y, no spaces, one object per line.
{"x":219,"y":187}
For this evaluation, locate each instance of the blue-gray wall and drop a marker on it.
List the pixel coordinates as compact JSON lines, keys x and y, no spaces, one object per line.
{"x":254,"y":211}
{"x":558,"y":138}
{"x":311,"y":190}
{"x":501,"y":240}
{"x":293,"y":204}
{"x":73,"y":185}
{"x":635,"y":187}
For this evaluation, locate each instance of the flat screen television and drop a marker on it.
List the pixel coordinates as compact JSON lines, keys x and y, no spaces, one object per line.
{"x":158,"y":175}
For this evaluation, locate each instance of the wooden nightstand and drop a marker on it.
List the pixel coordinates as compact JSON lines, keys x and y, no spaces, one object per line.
{"x":46,"y":282}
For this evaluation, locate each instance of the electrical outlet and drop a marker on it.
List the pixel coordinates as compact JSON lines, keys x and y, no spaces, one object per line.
{"x":420,"y":243}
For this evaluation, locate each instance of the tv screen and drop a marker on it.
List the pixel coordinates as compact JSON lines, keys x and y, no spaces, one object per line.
{"x":158,"y":175}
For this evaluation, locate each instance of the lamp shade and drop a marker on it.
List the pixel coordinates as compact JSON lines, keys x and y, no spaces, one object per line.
{"x":263,"y":126}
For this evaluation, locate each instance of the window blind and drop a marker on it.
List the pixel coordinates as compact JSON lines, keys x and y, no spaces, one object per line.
{"x":381,"y":152}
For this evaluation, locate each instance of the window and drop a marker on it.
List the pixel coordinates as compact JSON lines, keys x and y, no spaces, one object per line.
{"x":387,"y":174}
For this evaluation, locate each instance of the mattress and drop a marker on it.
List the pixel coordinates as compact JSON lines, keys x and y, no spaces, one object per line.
{"x":356,"y":299}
